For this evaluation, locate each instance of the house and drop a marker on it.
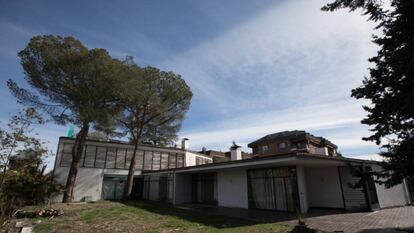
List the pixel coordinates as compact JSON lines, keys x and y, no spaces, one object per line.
{"x":306,"y":172}
{"x":292,"y":141}
{"x":104,"y":165}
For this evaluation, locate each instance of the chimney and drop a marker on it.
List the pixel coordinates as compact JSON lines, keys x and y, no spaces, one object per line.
{"x":185,"y":144}
{"x":235,"y":152}
{"x":204,"y":150}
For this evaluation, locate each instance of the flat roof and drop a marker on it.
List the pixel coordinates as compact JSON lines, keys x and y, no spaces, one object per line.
{"x":261,"y":160}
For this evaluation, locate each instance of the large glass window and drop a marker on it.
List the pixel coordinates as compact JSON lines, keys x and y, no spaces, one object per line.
{"x":164,"y":160}
{"x":273,"y":189}
{"x":203,"y":188}
{"x":120,"y":158}
{"x":89,"y":156}
{"x":66,"y":159}
{"x":148,"y":160}
{"x":110,"y":158}
{"x":156,"y":161}
{"x":113,"y":157}
{"x":172,"y":161}
{"x":180,"y":160}
{"x":100,"y":157}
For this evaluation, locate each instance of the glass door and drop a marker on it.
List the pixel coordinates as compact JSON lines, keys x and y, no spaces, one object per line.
{"x":273,"y":189}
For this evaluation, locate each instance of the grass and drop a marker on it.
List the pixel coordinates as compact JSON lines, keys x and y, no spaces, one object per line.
{"x":147,"y":217}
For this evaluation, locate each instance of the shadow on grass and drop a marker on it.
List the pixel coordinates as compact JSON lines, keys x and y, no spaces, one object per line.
{"x":191,"y":216}
{"x":216,"y":219}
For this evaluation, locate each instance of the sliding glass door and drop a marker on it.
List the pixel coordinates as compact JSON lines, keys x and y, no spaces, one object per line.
{"x":203,"y":188}
{"x":273,"y":189}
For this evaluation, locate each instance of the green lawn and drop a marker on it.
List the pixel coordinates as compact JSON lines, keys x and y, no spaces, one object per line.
{"x":146,"y":217}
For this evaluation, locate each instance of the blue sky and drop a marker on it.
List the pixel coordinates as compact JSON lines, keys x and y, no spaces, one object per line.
{"x":255,"y":67}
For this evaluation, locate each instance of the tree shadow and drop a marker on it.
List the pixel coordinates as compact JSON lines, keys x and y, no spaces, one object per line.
{"x":220,"y":217}
{"x":207,"y":219}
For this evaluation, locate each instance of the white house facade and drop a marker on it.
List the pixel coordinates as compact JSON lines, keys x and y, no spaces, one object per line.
{"x":304,"y":172}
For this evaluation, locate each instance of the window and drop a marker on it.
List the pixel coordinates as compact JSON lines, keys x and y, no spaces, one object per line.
{"x":66,"y":159}
{"x":120,"y":158}
{"x":202,"y":161}
{"x":282,"y":145}
{"x":265,"y":148}
{"x":89,"y":156}
{"x":100,"y":157}
{"x":112,"y":157}
{"x":164,"y":160}
{"x":147,"y":160}
{"x":180,"y":160}
{"x":156,"y":161}
{"x":172,"y":161}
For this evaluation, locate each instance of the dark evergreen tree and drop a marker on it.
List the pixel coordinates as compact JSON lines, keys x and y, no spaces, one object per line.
{"x":390,"y":85}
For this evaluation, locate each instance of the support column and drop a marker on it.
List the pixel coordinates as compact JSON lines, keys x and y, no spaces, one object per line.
{"x":303,"y":198}
{"x":173,"y":194}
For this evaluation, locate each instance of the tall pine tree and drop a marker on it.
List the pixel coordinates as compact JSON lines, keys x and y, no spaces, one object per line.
{"x":73,"y":85}
{"x":390,"y":85}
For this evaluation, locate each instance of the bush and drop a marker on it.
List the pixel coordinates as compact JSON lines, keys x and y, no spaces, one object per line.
{"x":25,"y":184}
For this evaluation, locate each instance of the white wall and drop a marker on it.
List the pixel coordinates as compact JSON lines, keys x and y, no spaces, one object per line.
{"x":232,"y":188}
{"x":323,"y":187}
{"x":88,"y":182}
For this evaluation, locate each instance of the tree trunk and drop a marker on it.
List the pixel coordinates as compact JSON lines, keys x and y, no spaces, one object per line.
{"x":131,"y":172}
{"x":74,"y":166}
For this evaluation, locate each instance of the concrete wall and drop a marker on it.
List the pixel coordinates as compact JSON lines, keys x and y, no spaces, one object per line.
{"x":323,"y":187}
{"x":182,"y":189}
{"x":395,"y":196}
{"x":232,"y":188}
{"x":88,"y":183}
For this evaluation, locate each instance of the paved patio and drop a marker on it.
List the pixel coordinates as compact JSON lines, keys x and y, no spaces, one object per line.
{"x":398,"y":219}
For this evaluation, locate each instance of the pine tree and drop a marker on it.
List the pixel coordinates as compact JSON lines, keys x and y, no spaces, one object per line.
{"x":390,"y":85}
{"x":73,"y":85}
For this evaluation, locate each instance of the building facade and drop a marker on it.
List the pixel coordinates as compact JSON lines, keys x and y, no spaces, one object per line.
{"x":306,"y":172}
{"x":289,"y":171}
{"x":289,"y":182}
{"x":104,"y":165}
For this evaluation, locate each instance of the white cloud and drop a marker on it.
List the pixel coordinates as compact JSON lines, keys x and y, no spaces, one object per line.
{"x":339,"y":122}
{"x":291,"y":52}
{"x":291,"y":67}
